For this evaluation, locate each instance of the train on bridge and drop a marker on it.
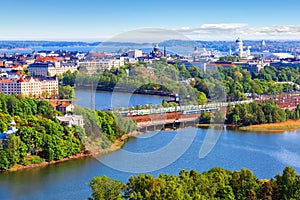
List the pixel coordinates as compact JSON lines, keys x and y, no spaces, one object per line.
{"x":185,"y":109}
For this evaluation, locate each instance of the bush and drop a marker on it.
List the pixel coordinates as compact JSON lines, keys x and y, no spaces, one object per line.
{"x":34,"y":160}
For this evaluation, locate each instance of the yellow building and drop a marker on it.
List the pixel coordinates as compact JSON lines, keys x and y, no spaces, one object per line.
{"x":29,"y":86}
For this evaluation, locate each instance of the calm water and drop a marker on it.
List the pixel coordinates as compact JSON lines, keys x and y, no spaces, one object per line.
{"x":107,"y":100}
{"x":265,"y":154}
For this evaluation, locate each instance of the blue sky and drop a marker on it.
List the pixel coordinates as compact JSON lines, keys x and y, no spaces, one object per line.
{"x":97,"y":20}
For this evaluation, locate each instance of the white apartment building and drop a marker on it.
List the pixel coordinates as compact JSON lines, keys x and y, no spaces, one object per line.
{"x":104,"y":64}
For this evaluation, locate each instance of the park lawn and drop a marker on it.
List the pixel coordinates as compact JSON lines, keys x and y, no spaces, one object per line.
{"x":289,"y":125}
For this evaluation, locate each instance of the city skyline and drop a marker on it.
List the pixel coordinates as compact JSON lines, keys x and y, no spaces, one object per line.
{"x":92,"y":21}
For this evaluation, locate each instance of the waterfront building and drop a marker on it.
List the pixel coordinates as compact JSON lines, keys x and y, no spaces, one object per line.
{"x":29,"y":86}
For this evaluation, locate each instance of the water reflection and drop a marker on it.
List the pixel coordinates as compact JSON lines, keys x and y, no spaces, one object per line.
{"x":265,"y":154}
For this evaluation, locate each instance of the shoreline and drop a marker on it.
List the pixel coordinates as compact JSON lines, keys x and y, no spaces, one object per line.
{"x":118,"y":144}
{"x":45,"y":163}
{"x":279,"y":127}
{"x":118,"y":90}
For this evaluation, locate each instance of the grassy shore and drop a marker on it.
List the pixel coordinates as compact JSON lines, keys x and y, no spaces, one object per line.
{"x":290,"y":125}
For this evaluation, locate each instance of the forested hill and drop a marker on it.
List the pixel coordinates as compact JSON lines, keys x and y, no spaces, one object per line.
{"x":40,"y":137}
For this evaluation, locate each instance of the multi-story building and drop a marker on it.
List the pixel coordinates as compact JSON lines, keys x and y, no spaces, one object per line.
{"x":29,"y":86}
{"x":135,"y":53}
{"x":103,"y":64}
{"x":42,"y":69}
{"x":51,"y":68}
{"x":63,"y":67}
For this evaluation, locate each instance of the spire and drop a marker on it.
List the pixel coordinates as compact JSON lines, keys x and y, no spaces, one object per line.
{"x":13,"y":123}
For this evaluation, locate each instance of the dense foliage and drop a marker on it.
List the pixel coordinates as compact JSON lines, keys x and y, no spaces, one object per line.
{"x":259,"y":113}
{"x":40,"y":137}
{"x":20,"y":106}
{"x":216,"y":184}
{"x":158,"y":78}
{"x":269,"y":80}
{"x":102,"y":129}
{"x":236,"y":82}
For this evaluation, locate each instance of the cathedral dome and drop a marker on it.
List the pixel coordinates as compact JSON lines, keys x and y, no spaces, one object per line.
{"x":238,"y":40}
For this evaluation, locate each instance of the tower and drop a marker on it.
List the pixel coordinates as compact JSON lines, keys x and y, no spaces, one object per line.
{"x":239,"y":47}
{"x":230,"y":52}
{"x":196,"y":50}
{"x":263,"y":44}
{"x":248,"y":52}
{"x":12,"y":129}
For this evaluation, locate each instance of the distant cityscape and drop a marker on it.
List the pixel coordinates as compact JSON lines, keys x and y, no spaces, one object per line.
{"x":36,"y":74}
{"x":33,"y":74}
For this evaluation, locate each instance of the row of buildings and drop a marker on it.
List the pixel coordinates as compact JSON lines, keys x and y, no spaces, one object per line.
{"x":101,"y":65}
{"x":242,"y":56}
{"x":42,"y":68}
{"x":34,"y":87}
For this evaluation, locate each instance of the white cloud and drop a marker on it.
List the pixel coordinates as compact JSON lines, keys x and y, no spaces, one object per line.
{"x":222,"y":31}
{"x":222,"y":26}
{"x":230,"y":31}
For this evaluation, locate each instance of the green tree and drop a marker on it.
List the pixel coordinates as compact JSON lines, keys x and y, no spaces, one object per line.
{"x":4,"y":162}
{"x":205,"y":118}
{"x":3,"y":126}
{"x":202,"y":99}
{"x":66,"y":92}
{"x":12,"y":149}
{"x":106,"y":188}
{"x":289,"y":184}
{"x":219,"y":117}
{"x":225,"y":193}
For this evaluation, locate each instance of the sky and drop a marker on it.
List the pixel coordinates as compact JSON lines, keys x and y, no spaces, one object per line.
{"x":94,"y":20}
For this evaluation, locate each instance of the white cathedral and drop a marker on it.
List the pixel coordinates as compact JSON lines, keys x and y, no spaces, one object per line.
{"x":239,"y":49}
